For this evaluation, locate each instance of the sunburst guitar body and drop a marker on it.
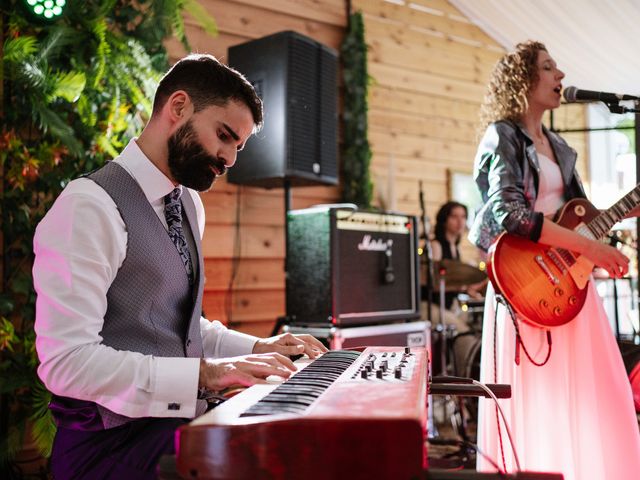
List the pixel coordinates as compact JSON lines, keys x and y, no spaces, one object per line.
{"x":547,"y":286}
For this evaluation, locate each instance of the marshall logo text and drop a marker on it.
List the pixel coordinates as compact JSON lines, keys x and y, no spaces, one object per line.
{"x":377,"y":245}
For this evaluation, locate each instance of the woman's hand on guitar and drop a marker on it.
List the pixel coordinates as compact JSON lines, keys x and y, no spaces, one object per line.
{"x":608,"y":258}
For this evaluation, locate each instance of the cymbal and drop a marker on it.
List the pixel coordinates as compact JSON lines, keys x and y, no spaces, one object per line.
{"x":456,"y":274}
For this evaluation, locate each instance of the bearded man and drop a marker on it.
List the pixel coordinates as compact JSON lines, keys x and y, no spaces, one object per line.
{"x":119,"y":277}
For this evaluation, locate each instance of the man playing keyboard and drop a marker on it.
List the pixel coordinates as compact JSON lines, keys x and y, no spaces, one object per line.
{"x":119,"y":275}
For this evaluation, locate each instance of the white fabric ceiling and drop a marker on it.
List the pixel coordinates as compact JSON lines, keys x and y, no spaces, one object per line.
{"x":595,"y":42}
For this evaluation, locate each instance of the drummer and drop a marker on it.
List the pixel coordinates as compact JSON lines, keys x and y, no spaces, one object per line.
{"x":451,"y":221}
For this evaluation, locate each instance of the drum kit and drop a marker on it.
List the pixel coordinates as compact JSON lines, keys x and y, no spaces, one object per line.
{"x":452,"y":352}
{"x":455,"y":345}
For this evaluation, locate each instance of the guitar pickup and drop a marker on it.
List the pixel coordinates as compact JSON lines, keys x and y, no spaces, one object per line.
{"x":545,"y":268}
{"x":557,"y":261}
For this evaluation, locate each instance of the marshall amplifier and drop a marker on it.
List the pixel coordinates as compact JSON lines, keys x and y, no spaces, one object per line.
{"x":347,"y":267}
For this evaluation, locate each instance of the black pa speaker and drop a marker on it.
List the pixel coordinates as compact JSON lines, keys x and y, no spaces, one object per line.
{"x":348,"y":268}
{"x":296,"y":78}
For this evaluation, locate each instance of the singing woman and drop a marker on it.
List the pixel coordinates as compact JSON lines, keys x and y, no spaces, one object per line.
{"x":574,"y":414}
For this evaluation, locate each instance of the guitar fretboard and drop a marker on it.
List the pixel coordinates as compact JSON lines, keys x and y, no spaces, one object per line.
{"x":601,"y":224}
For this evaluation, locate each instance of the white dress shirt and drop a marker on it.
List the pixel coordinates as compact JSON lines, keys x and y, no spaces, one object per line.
{"x":79,"y":247}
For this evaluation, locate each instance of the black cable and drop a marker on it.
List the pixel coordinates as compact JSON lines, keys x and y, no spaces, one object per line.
{"x":469,"y":445}
{"x":475,"y":447}
{"x":235,"y":259}
{"x":519,"y":341}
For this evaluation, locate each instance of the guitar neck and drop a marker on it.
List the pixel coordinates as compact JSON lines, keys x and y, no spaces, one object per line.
{"x":601,"y":224}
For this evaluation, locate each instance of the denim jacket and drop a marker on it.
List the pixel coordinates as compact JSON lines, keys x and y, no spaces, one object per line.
{"x":506,"y":171}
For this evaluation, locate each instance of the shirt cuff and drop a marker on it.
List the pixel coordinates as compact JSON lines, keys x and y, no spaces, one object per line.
{"x":237,"y":343}
{"x":176,"y":387}
{"x":536,"y":231}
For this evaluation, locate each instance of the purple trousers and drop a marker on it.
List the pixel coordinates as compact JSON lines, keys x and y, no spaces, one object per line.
{"x":130,"y":451}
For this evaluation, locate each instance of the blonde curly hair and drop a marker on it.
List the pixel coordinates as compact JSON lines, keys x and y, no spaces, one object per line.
{"x":513,"y":77}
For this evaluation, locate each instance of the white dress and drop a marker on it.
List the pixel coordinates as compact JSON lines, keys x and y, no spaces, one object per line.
{"x":574,"y":415}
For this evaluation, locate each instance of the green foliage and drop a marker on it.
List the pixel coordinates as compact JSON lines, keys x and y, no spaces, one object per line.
{"x":626,"y":124}
{"x":44,"y":428}
{"x":20,"y":49}
{"x":356,"y":154}
{"x":74,"y":92}
{"x":7,"y":335}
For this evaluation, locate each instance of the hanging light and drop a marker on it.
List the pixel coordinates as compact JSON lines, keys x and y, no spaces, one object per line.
{"x":46,"y":9}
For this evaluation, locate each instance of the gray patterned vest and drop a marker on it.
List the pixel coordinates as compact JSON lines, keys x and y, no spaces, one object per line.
{"x":151,"y":309}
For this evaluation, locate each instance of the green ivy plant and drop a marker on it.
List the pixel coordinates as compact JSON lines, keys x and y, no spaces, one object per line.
{"x":73,"y":93}
{"x":356,"y":154}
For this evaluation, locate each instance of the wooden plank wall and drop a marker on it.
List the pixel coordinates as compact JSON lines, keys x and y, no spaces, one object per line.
{"x":429,"y":66}
{"x":244,"y":230}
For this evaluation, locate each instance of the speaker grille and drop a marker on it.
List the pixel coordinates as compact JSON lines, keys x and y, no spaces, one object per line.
{"x":361,"y":273}
{"x":297,"y":80}
{"x":303,"y":106}
{"x":336,"y":265}
{"x":309,"y":268}
{"x":328,"y":148}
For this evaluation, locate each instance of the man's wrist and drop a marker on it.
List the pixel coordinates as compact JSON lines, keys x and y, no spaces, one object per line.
{"x":202,"y":375}
{"x":257,"y":347}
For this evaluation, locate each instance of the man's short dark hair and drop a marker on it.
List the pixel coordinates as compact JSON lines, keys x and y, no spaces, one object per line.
{"x":208,"y":82}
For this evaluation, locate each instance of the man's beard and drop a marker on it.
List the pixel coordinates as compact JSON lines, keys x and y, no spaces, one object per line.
{"x":189,"y":163}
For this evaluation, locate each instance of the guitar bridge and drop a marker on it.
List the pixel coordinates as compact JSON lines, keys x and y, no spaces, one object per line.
{"x":545,"y":268}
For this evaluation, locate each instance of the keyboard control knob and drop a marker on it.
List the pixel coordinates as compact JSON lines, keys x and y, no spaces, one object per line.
{"x":363,"y":374}
{"x":379,"y":373}
{"x":398,"y":373}
{"x":407,"y":350}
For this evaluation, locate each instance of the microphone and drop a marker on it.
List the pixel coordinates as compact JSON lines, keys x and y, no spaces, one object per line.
{"x":573,"y":94}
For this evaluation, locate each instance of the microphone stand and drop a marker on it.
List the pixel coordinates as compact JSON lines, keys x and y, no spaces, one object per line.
{"x":615,"y":107}
{"x":427,"y":291}
{"x":442,"y":327}
{"x":427,"y":252}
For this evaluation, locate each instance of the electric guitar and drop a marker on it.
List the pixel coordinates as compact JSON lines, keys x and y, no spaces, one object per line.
{"x":547,"y":286}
